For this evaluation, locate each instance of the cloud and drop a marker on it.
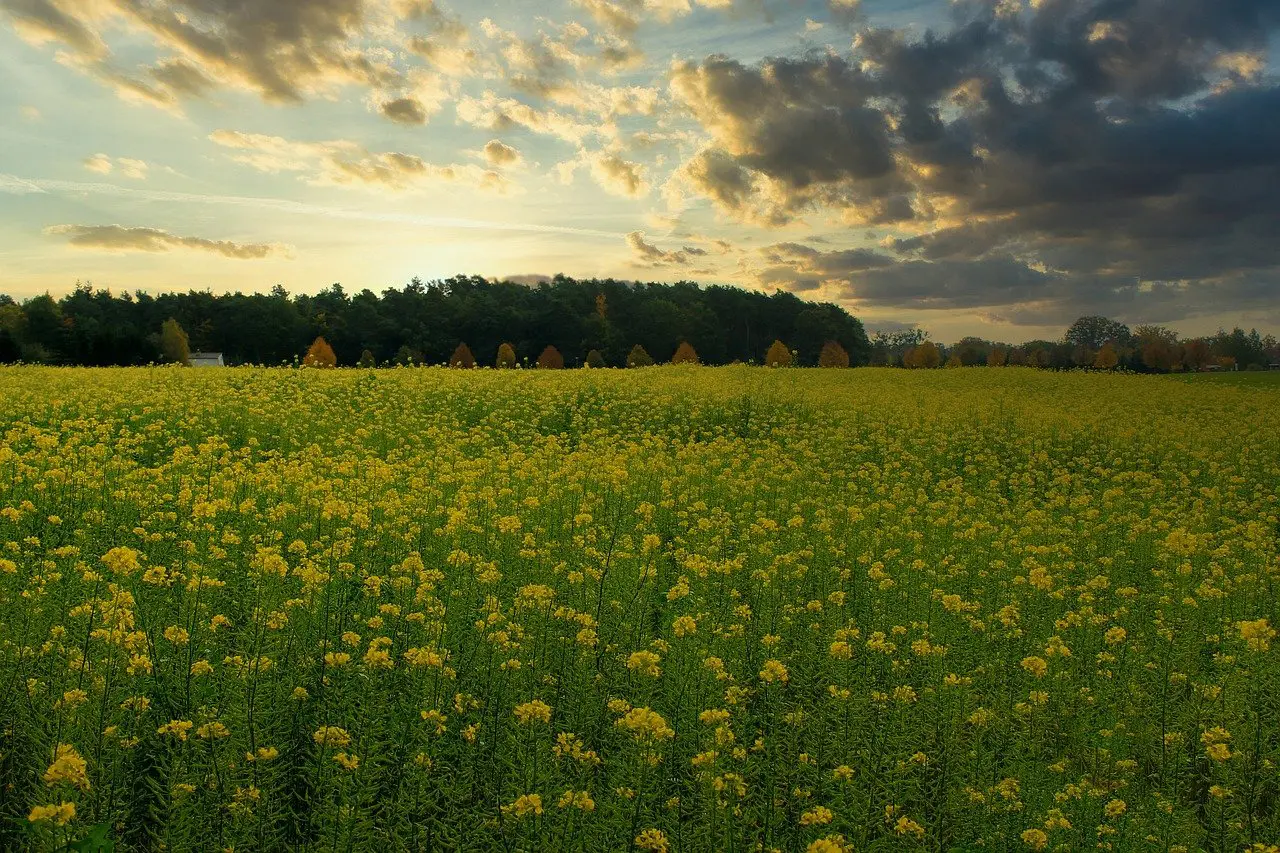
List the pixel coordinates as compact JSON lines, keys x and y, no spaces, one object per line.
{"x":1053,"y":155}
{"x":119,"y":238}
{"x":617,"y":176}
{"x":648,"y":255}
{"x":492,"y":112}
{"x":129,"y":167}
{"x":284,"y":51}
{"x":498,"y":153}
{"x":345,"y":163}
{"x":404,"y":110}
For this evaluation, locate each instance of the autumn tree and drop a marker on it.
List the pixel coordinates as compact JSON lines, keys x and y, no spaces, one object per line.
{"x":506,"y":357}
{"x":320,"y":354}
{"x":685,"y":354}
{"x":463,"y":358}
{"x":778,"y":355}
{"x":595,"y":359}
{"x":1107,"y":358}
{"x":173,"y":343}
{"x":998,"y":357}
{"x":833,"y":355}
{"x":639,"y":357}
{"x":367,"y":359}
{"x":1158,"y":347}
{"x":551,"y":359}
{"x":925,"y":356}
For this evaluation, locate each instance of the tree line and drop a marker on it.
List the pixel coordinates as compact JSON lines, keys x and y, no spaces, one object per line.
{"x":426,"y":322}
{"x":562,"y":322}
{"x":1090,"y":342}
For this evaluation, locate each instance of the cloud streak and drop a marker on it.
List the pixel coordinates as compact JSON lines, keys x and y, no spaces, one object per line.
{"x":120,"y":238}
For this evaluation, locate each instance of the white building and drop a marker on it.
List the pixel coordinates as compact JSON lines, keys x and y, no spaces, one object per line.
{"x":206,"y":359}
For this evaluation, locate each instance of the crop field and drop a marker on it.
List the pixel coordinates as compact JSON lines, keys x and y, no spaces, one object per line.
{"x":669,"y":609}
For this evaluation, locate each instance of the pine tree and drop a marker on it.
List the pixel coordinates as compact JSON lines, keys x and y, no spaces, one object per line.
{"x":320,"y":354}
{"x":685,"y":354}
{"x":173,"y":343}
{"x":833,"y":355}
{"x":551,"y":359}
{"x":639,"y":357}
{"x":506,"y":357}
{"x":596,"y":359}
{"x":778,"y":355}
{"x":462,"y":358}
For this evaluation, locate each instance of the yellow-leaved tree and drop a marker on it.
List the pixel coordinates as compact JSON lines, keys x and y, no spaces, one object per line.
{"x":463,"y":358}
{"x":551,"y":359}
{"x":778,"y":355}
{"x":685,"y":354}
{"x":506,"y":357}
{"x":833,"y":355}
{"x":173,"y":343}
{"x":320,"y":354}
{"x":1107,"y":357}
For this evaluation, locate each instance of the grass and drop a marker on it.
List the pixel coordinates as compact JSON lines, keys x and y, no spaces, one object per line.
{"x":667,"y":609}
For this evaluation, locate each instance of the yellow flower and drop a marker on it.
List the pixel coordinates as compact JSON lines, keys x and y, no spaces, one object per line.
{"x":1258,"y":634}
{"x":1115,"y":808}
{"x":829,"y":844}
{"x":524,"y":805}
{"x":1037,"y":666}
{"x":177,"y":728}
{"x":176,"y":635}
{"x":67,"y":768}
{"x":684,"y":626}
{"x":1115,"y":636}
{"x":773,"y":670}
{"x":336,"y":659}
{"x":578,"y":800}
{"x":212,"y":731}
{"x":1036,"y":839}
{"x":60,"y":814}
{"x":817,"y":816}
{"x":646,"y":725}
{"x":201,"y":667}
{"x":535,"y":711}
{"x":653,"y":839}
{"x":645,"y":663}
{"x":346,"y":761}
{"x":331,"y":736}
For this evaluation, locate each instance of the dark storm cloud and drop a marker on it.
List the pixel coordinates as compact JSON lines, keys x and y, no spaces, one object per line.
{"x":1122,"y":153}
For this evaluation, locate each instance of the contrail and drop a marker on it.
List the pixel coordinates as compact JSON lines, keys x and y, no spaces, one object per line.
{"x":15,"y":185}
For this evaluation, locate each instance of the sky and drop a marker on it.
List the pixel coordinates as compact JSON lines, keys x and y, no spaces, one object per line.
{"x":987,"y":167}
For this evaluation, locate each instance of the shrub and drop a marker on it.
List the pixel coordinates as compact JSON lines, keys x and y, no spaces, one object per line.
{"x":833,"y":355}
{"x":551,"y":359}
{"x":638,"y":357}
{"x":778,"y":355}
{"x":367,"y":359}
{"x":462,"y":357}
{"x":596,"y":359}
{"x":506,"y":357}
{"x":685,"y":354}
{"x":320,"y":354}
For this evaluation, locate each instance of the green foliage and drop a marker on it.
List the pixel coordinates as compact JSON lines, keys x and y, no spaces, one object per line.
{"x":595,"y":359}
{"x":367,"y":359}
{"x":506,"y":357}
{"x":639,"y":357}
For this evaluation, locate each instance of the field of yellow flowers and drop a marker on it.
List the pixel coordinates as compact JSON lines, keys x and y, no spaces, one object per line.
{"x":671,"y":609}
